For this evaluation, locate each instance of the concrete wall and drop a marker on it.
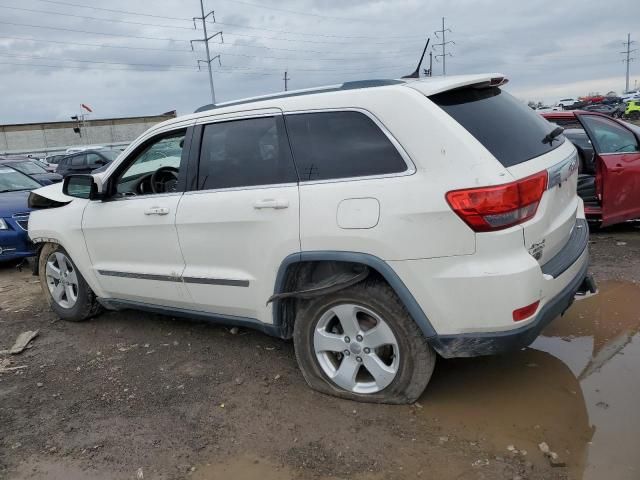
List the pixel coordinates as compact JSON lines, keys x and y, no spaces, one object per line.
{"x":57,"y":136}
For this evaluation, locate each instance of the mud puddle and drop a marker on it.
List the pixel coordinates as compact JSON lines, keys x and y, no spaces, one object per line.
{"x":577,"y":388}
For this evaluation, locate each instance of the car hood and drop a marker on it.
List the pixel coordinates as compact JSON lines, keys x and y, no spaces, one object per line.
{"x":53,"y":192}
{"x":13,"y":202}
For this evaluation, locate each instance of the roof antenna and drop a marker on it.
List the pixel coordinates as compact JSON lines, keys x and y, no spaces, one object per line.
{"x":416,"y":74}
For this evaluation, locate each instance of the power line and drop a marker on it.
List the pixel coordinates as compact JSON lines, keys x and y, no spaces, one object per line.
{"x":629,"y":59}
{"x":85,"y":17}
{"x":155,"y":25}
{"x":112,"y":10}
{"x":139,"y":37}
{"x":443,"y":45}
{"x":393,"y":39}
{"x":391,"y":54}
{"x":298,"y":12}
{"x":228,"y":69}
{"x":157,"y":49}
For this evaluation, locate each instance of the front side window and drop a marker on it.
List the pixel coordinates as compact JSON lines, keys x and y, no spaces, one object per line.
{"x":610,"y":137}
{"x":244,"y":153}
{"x":154,"y":168}
{"x":332,"y":145}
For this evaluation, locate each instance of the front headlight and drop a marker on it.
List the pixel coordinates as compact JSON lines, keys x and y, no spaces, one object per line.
{"x":3,"y":224}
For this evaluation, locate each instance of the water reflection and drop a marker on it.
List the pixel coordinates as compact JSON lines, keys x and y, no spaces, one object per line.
{"x":577,"y":388}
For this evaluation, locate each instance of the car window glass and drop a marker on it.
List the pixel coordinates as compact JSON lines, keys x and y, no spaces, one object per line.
{"x":610,"y":137}
{"x":163,"y":153}
{"x":329,"y":145}
{"x":243,"y":153}
{"x":94,"y":159}
{"x":504,"y":125}
{"x":13,"y":180}
{"x":30,"y":168}
{"x":78,"y":160}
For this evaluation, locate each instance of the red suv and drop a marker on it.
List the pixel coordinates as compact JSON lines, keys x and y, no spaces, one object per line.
{"x":609,"y":149}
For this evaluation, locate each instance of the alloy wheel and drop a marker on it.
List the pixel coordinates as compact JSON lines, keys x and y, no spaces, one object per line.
{"x":62,"y":280}
{"x":356,"y":348}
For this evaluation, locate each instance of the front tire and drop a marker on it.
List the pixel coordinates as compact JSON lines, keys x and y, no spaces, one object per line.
{"x":361,"y":344}
{"x":64,"y":287}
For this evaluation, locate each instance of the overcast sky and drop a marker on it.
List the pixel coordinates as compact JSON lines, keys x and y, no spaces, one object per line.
{"x":547,"y":48}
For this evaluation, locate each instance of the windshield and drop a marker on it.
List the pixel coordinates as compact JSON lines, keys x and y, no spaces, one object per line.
{"x":111,"y":155}
{"x":30,"y":168}
{"x":12,"y":180}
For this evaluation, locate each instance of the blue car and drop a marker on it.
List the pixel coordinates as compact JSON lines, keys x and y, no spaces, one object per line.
{"x":14,"y":213}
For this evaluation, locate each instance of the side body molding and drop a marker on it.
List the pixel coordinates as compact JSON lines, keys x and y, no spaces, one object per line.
{"x":371,"y":261}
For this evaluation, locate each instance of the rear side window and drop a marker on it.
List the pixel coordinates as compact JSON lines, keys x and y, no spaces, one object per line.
{"x":329,"y":145}
{"x":78,"y":160}
{"x":506,"y":127}
{"x":244,"y":153}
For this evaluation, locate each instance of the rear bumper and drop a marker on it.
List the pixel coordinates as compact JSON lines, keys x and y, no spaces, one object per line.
{"x":490,"y":343}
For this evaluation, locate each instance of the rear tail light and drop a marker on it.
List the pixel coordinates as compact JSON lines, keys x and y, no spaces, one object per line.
{"x":525,"y":312}
{"x":488,"y":209}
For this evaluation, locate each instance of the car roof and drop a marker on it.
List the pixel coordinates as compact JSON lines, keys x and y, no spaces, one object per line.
{"x":427,"y":86}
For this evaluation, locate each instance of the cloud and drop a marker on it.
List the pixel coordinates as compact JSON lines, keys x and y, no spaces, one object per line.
{"x":547,"y":48}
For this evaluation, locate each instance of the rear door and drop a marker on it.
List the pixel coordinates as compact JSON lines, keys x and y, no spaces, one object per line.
{"x":617,"y":167}
{"x":241,"y":219}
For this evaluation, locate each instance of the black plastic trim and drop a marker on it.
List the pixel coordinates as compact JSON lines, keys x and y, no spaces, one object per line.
{"x":572,"y":250}
{"x":217,"y":319}
{"x":168,"y":278}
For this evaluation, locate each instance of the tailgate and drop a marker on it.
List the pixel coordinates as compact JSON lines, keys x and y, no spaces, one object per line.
{"x":548,"y":232}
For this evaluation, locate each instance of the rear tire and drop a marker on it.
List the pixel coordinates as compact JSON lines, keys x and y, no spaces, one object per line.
{"x":381,"y":319}
{"x":64,"y":287}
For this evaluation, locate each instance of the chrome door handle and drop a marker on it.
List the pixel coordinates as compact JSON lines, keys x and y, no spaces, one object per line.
{"x":271,"y":203}
{"x":157,"y":211}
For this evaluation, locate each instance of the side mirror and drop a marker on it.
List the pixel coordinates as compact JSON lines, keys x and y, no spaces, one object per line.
{"x":80,"y":186}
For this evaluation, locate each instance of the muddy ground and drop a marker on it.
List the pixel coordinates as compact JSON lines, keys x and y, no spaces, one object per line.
{"x":133,"y":395}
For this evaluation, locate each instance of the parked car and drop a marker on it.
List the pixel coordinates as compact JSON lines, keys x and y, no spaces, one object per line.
{"x":53,"y":160}
{"x":32,"y":168}
{"x":601,"y":108}
{"x":631,"y":95}
{"x":375,"y":224}
{"x":632,"y":110}
{"x":86,"y":161}
{"x":83,"y":148}
{"x":566,"y":103}
{"x":610,"y":183}
{"x":14,"y":213}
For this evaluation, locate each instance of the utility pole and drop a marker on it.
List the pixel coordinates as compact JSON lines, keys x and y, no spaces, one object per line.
{"x":431,"y":64}
{"x":286,"y":80}
{"x":206,"y":40}
{"x":443,"y":45}
{"x":628,"y":60}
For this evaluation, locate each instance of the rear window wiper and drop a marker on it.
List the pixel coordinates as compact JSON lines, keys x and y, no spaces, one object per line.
{"x":552,"y":135}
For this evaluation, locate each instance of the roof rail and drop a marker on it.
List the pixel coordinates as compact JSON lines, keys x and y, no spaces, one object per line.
{"x":353,"y":85}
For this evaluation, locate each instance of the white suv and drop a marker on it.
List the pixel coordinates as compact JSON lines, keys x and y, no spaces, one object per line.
{"x":374,"y":223}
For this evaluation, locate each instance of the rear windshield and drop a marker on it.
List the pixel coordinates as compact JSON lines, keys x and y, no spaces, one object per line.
{"x":506,"y":127}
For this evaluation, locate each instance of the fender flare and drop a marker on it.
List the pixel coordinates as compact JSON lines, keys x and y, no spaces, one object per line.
{"x":382,"y":267}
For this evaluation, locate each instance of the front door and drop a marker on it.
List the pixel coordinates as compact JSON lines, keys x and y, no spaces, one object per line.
{"x":617,"y":167}
{"x":131,"y":235}
{"x":242,"y":219}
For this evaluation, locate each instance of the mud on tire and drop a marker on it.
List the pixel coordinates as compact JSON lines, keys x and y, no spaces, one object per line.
{"x":416,"y":359}
{"x":85,"y":304}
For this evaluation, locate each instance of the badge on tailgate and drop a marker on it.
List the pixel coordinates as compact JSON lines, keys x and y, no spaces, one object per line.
{"x":560,"y":172}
